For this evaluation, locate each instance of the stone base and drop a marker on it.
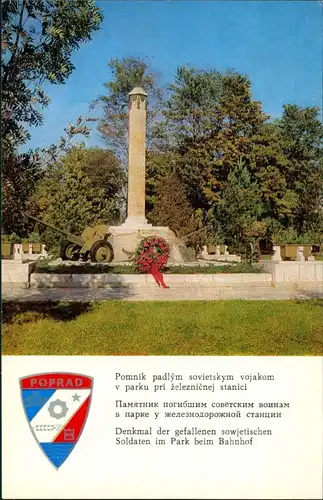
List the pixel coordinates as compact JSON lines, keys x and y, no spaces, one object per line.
{"x":125,"y":239}
{"x":135,"y":281}
{"x":133,"y":222}
{"x":16,"y":274}
{"x":294,"y":271}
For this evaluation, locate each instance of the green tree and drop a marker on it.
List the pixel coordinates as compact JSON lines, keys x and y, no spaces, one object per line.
{"x":269,"y":167}
{"x":210,"y":119}
{"x":127,"y":73}
{"x":20,"y":174}
{"x":104,"y":170}
{"x":69,"y":198}
{"x":302,"y":139}
{"x":237,"y":215}
{"x":172,"y":207}
{"x":159,"y":165}
{"x":38,"y":39}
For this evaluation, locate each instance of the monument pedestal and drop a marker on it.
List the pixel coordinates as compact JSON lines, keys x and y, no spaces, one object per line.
{"x":126,"y":238}
{"x":135,"y":222}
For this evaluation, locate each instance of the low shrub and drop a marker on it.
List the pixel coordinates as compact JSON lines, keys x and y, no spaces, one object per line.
{"x":89,"y":268}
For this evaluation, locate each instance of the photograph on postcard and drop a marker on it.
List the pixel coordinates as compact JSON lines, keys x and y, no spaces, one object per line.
{"x":162,"y":188}
{"x":184,"y":206}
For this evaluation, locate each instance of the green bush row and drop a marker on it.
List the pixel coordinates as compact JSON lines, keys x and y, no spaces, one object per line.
{"x":242,"y":267}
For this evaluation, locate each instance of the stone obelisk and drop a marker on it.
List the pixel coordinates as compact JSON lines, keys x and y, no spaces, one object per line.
{"x":126,"y":237}
{"x":136,"y":159}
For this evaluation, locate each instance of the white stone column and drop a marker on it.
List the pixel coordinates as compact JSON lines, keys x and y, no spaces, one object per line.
{"x":17,"y":251}
{"x":204,"y":252}
{"x":43,"y":251}
{"x":136,"y":159}
{"x":276,"y":255}
{"x":300,"y":254}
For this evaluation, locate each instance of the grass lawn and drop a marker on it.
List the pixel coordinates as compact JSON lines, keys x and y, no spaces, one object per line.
{"x":233,"y":327}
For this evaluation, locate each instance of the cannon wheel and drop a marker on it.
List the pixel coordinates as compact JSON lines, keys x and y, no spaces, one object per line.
{"x":70,"y":251}
{"x":101,"y":251}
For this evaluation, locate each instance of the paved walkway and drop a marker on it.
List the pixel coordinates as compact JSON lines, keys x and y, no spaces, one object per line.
{"x":136,"y":293}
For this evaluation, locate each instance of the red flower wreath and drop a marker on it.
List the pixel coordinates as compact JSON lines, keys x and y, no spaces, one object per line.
{"x":152,"y":253}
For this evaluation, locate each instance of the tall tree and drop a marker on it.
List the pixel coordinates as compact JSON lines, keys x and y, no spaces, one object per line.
{"x":239,"y":209}
{"x":38,"y":39}
{"x":127,"y":73}
{"x":172,"y":207}
{"x":104,"y":170}
{"x":22,"y":172}
{"x":302,"y":135}
{"x":159,"y":166}
{"x":210,"y":120}
{"x":69,"y":197}
{"x":20,"y":175}
{"x":269,"y":167}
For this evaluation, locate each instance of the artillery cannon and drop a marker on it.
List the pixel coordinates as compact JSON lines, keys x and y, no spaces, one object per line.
{"x":92,"y":242}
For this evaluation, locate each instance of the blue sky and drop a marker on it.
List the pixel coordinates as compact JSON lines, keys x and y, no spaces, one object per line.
{"x":278,"y":44}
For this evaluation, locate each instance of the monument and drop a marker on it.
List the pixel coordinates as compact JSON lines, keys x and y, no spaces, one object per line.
{"x":125,"y":238}
{"x":136,"y":160}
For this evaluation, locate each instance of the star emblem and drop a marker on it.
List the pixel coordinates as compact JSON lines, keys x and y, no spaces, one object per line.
{"x":76,"y":397}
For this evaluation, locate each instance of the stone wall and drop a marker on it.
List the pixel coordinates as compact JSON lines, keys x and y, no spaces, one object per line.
{"x":15,"y":274}
{"x":112,"y":280}
{"x":287,"y":272}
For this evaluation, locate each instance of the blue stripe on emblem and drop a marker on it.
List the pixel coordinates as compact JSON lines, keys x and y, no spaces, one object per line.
{"x":57,"y":452}
{"x":34,"y":400}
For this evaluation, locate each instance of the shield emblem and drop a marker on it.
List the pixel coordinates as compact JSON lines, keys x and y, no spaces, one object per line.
{"x":56,"y":406}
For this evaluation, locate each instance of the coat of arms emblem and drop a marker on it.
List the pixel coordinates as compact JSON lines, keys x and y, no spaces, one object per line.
{"x":56,"y":406}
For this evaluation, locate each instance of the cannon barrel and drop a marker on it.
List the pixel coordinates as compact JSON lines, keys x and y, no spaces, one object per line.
{"x":182,"y":238}
{"x":70,"y":237}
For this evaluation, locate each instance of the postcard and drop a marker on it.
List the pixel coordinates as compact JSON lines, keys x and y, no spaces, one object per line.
{"x":162,"y":249}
